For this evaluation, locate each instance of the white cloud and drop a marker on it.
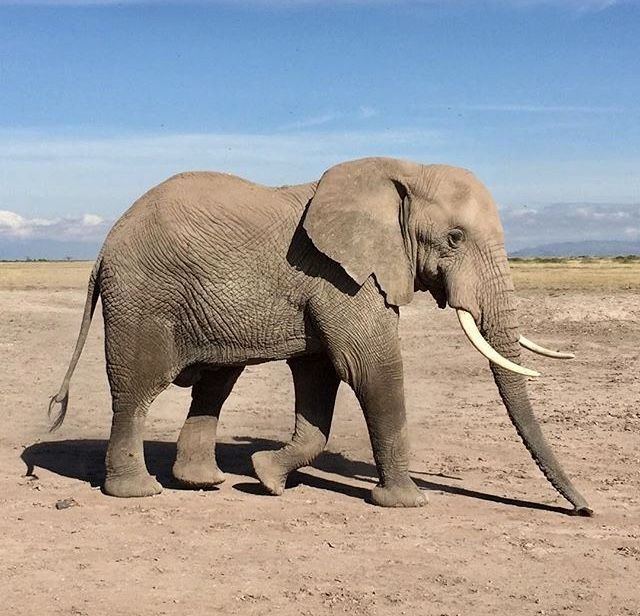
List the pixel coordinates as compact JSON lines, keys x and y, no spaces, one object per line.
{"x":91,"y":220}
{"x":367,"y":112}
{"x":522,"y":213}
{"x":363,"y":113}
{"x":88,"y":227}
{"x":311,"y":122}
{"x":10,"y":221}
{"x":594,"y":213}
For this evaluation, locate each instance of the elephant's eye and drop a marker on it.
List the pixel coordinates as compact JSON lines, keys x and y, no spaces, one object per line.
{"x":455,"y":237}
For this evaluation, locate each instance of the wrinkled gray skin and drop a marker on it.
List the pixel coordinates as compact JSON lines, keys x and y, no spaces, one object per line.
{"x":207,"y":273}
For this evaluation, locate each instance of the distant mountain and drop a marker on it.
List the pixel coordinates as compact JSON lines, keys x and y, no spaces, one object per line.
{"x":14,"y":249}
{"x":592,"y":248}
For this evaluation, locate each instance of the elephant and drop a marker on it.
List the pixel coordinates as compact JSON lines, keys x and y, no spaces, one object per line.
{"x":208,"y":273}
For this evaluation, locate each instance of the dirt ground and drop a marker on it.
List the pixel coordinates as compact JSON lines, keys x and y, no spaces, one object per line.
{"x":494,"y":538}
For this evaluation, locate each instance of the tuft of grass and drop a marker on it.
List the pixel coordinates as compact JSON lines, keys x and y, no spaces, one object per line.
{"x":627,"y":259}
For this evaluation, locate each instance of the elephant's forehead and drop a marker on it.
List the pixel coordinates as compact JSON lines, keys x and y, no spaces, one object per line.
{"x":472,"y":211}
{"x":481,"y":218}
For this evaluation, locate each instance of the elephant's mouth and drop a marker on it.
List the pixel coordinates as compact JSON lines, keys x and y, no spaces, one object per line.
{"x":440,"y":295}
{"x":435,"y":286}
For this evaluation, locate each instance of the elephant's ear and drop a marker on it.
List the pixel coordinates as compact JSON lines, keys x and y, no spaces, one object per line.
{"x":357,"y":217}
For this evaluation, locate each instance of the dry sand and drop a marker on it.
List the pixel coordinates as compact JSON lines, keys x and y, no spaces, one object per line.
{"x":493,"y":540}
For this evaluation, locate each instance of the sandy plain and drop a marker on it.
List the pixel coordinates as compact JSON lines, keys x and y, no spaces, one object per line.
{"x":494,"y":538}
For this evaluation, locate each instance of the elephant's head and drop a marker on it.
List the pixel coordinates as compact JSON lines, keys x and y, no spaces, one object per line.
{"x":435,"y":228}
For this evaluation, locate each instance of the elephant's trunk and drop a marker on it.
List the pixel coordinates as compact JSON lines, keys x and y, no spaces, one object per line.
{"x":499,"y":327}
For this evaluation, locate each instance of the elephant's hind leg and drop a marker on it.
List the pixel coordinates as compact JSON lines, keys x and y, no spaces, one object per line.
{"x":139,"y":365}
{"x":127,"y":473}
{"x":195,"y":463}
{"x":316,"y":385}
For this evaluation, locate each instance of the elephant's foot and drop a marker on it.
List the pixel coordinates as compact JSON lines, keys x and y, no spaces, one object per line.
{"x":131,"y":485}
{"x":269,"y":471}
{"x":405,"y":494}
{"x":198,"y":473}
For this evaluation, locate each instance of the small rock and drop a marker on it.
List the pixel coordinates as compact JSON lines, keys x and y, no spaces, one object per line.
{"x":65,"y":503}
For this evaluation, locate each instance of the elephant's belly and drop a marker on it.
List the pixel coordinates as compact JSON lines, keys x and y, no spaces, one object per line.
{"x":244,"y":322}
{"x":211,"y":357}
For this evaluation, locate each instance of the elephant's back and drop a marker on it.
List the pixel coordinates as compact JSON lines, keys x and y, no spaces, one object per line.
{"x":205,"y":205}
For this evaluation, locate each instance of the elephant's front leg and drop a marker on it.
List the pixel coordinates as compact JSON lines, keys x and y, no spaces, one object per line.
{"x":316,"y":384}
{"x":195,"y":463}
{"x":380,"y":391}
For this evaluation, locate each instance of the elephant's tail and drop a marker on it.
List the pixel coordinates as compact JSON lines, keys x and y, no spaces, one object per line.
{"x":62,"y":397}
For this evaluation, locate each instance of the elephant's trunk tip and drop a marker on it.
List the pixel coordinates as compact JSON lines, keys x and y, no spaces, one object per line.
{"x":582,"y":511}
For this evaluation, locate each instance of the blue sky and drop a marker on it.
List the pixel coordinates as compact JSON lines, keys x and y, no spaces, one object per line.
{"x":101,"y":100}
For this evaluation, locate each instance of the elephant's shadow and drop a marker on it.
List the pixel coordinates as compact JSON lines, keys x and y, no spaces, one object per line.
{"x":84,"y":460}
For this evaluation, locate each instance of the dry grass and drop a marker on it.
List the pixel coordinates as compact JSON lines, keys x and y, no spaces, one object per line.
{"x":575,"y":274}
{"x":45,"y":275}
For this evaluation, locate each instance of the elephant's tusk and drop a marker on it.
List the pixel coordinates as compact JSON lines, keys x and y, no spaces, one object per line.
{"x":540,"y":350}
{"x":470,"y":328}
